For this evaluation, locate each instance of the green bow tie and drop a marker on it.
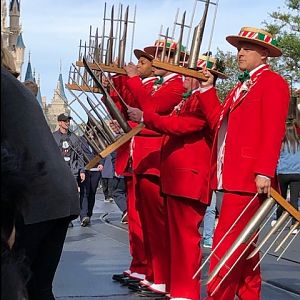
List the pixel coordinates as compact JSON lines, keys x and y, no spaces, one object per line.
{"x":244,"y":76}
{"x":159,"y":81}
{"x":186,"y":95}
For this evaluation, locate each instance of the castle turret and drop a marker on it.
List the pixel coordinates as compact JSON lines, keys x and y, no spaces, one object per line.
{"x":19,"y":53}
{"x":29,"y":74}
{"x":58,"y":104}
{"x":14,"y":23}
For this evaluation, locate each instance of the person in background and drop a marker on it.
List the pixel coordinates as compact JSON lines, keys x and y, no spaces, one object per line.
{"x":43,"y":218}
{"x":288,"y":168}
{"x":88,"y":188}
{"x":209,"y":222}
{"x":119,"y":190}
{"x":70,"y":147}
{"x":244,"y":156}
{"x":32,"y":86}
{"x":107,"y":180}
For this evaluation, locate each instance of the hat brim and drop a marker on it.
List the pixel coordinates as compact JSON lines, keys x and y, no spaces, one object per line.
{"x":234,"y":40}
{"x":140,"y":53}
{"x":152,"y":51}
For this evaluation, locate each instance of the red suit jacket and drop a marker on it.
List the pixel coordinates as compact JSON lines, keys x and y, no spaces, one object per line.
{"x":147,"y":145}
{"x":185,"y":151}
{"x":256,"y":127}
{"x":123,"y":152}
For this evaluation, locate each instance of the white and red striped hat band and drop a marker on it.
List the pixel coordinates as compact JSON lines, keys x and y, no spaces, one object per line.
{"x":256,"y":36}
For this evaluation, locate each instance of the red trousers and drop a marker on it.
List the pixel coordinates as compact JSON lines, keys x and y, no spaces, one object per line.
{"x":136,"y":240}
{"x":242,"y":281}
{"x":184,"y":218}
{"x":152,"y":211}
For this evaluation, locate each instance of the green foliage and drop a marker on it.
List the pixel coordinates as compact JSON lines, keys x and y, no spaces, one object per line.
{"x":286,"y":26}
{"x":226,"y":63}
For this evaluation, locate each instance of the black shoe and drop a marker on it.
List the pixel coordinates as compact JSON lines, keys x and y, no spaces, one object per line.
{"x":128,"y":280}
{"x":71,"y":225}
{"x":135,"y":286}
{"x":149,"y":293}
{"x":119,"y":277}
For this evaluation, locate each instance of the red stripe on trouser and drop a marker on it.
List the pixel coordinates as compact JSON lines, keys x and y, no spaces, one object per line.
{"x":151,"y":208}
{"x":184,"y":218}
{"x":242,"y":281}
{"x":136,"y":240}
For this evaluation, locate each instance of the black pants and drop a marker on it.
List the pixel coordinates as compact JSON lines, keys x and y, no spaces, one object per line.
{"x":292,"y":181}
{"x":108,"y":187}
{"x":88,"y":189}
{"x":42,"y":243}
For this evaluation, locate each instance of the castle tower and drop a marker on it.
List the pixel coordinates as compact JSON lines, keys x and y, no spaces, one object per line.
{"x":19,"y":54}
{"x":14,"y":23}
{"x":29,"y":74}
{"x":11,"y":35}
{"x":4,"y":28}
{"x":58,"y":104}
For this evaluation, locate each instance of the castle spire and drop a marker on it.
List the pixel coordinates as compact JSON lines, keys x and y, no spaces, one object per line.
{"x":29,"y":75}
{"x":14,"y":23}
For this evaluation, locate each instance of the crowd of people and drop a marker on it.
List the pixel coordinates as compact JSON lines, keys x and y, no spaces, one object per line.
{"x":197,"y":160}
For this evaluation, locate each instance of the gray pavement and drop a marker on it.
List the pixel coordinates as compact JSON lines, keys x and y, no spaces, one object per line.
{"x":92,"y":254}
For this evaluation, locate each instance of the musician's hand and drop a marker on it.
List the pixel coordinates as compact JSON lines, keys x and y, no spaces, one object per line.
{"x":115,"y":127}
{"x":131,"y":70}
{"x":210,"y":79}
{"x":82,"y":177}
{"x":135,"y":114}
{"x":263,"y":185}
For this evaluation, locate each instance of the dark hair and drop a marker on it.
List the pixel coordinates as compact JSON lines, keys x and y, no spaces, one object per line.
{"x":291,"y":140}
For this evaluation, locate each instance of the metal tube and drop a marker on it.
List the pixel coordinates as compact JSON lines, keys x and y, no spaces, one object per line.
{"x":245,"y":235}
{"x":109,"y":103}
{"x":197,"y":39}
{"x":122,"y":43}
{"x":179,"y":43}
{"x":280,"y":221}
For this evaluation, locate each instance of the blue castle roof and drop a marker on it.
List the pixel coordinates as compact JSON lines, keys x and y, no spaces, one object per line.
{"x":20,"y":43}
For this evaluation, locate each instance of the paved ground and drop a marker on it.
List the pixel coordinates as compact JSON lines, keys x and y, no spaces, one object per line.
{"x":92,"y":254}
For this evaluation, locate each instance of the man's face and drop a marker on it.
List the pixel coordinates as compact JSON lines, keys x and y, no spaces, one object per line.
{"x":64,"y":124}
{"x":250,"y":56}
{"x":190,"y":83}
{"x":144,"y":67}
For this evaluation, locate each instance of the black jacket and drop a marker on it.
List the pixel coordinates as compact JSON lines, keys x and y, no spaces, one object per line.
{"x":53,"y":194}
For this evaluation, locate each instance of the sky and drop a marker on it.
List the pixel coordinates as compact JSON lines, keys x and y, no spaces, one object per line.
{"x":52,"y":29}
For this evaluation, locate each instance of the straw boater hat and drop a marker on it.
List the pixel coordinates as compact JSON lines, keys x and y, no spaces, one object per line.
{"x":210,"y":63}
{"x":256,"y":36}
{"x":170,"y":45}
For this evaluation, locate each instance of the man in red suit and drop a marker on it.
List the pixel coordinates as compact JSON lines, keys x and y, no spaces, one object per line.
{"x":249,"y":130}
{"x":123,"y":166}
{"x":185,"y":157}
{"x":166,"y":94}
{"x":163,"y":96}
